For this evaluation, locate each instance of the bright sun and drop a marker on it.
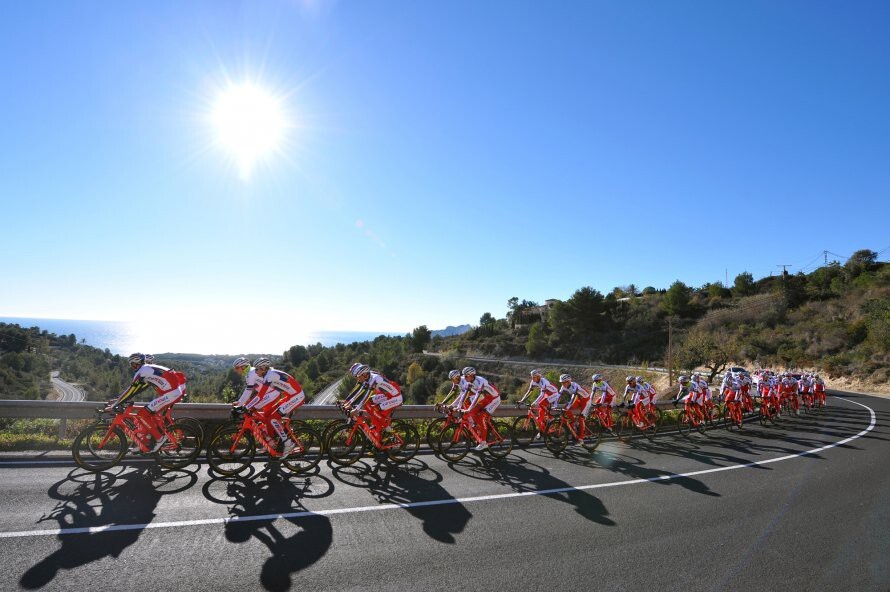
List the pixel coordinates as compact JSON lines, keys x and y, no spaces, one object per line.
{"x":250,"y":125}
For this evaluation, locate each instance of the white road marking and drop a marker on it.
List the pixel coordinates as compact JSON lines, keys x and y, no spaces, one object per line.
{"x":440,"y":502}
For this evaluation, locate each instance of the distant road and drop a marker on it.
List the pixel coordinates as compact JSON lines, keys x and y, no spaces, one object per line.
{"x":328,"y":395}
{"x":67,"y":391}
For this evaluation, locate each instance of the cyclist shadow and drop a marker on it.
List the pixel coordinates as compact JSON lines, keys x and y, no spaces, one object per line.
{"x":637,"y":470}
{"x":523,"y":476}
{"x":257,"y":508}
{"x":88,"y":500}
{"x":411,"y":483}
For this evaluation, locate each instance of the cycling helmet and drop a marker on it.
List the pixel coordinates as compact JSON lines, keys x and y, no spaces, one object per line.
{"x":354,"y":366}
{"x":630,"y":379}
{"x":468,"y":370}
{"x":453,"y":374}
{"x":360,"y":369}
{"x":535,"y":371}
{"x":136,"y":358}
{"x":696,"y":374}
{"x":149,"y":359}
{"x":597,"y":377}
{"x":684,"y":379}
{"x":262,"y":363}
{"x":640,"y":379}
{"x":565,"y":377}
{"x":241,"y":361}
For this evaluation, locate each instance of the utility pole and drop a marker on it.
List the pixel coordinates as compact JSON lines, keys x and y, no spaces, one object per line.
{"x":784,"y":271}
{"x":670,"y":350}
{"x":825,"y":254}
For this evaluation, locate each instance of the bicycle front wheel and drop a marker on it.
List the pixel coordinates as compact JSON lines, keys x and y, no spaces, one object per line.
{"x":684,"y":423}
{"x":454,"y":442}
{"x":94,"y":452}
{"x":432,"y":433}
{"x":524,"y":431}
{"x":346,"y":445}
{"x":557,"y":436}
{"x":230,"y":451}
{"x":307,"y":451}
{"x":624,"y":428}
{"x":182,"y":448}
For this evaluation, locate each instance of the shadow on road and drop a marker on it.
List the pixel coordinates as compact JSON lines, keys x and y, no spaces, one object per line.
{"x":258,"y":506}
{"x":521,"y":475}
{"x":412,"y":483}
{"x":86,"y":500}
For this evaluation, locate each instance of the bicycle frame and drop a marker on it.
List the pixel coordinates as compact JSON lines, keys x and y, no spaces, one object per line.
{"x":119,"y":421}
{"x":249,"y":424}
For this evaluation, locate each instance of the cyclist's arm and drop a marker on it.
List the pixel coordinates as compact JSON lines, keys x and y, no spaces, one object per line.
{"x":353,"y":393}
{"x":134,"y":389}
{"x":448,"y":395}
{"x":527,"y":393}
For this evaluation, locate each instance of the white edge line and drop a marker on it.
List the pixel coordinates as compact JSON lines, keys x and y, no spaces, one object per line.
{"x":442,"y":502}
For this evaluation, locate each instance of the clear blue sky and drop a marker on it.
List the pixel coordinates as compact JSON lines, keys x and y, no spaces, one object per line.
{"x":440,"y":158}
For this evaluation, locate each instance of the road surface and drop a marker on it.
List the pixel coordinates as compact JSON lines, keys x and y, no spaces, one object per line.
{"x":801,"y":507}
{"x":328,"y":395}
{"x":67,"y":391}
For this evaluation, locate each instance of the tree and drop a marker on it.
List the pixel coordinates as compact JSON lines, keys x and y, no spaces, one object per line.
{"x":860,"y":261}
{"x":743,"y":285}
{"x":536,"y":344}
{"x":714,"y":351}
{"x":676,"y":300}
{"x":513,"y":306}
{"x":487,"y":323}
{"x":419,"y":339}
{"x":415,"y":372}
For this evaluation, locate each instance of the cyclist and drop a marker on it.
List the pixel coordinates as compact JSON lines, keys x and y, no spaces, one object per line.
{"x":547,"y":397}
{"x":384,"y":395}
{"x":819,"y":389}
{"x":485,"y":398}
{"x":641,"y":400}
{"x":281,"y":394}
{"x":580,"y":399}
{"x":630,"y":391}
{"x":242,"y":367}
{"x":459,"y":385}
{"x":606,"y":398}
{"x":170,"y":387}
{"x":691,"y":395}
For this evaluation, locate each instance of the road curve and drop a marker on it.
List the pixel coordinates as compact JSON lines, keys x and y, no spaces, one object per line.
{"x":802,"y":506}
{"x":67,"y":391}
{"x":328,"y":394}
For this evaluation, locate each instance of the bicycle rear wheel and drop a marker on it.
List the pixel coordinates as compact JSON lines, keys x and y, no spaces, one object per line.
{"x":684,"y":423}
{"x":454,"y":442}
{"x":183,"y":447}
{"x":624,"y":428}
{"x":524,"y":431}
{"x":500,"y":440}
{"x":229,"y":453}
{"x":89,"y":452}
{"x":196,"y":425}
{"x":557,"y":436}
{"x":407,"y":438}
{"x":593,"y":434}
{"x":307,"y":453}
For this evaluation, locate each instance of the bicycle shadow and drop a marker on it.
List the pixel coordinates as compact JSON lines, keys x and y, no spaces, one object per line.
{"x":258,"y":506}
{"x":128,"y":496}
{"x":523,"y":476}
{"x":408,"y":485}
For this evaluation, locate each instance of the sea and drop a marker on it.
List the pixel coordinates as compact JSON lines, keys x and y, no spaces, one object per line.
{"x":218,"y":338}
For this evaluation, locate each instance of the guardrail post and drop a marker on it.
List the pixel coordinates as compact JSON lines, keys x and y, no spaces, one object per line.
{"x":63,"y":428}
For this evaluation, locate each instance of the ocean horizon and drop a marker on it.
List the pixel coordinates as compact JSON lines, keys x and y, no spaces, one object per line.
{"x":120,"y":337}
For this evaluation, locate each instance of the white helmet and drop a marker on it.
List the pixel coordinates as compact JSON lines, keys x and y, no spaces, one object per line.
{"x":597,"y":377}
{"x":453,"y":374}
{"x":149,"y":359}
{"x":565,"y":377}
{"x":468,"y":370}
{"x":535,"y":372}
{"x":360,"y":369}
{"x":262,"y":363}
{"x":240,"y":361}
{"x":136,"y":358}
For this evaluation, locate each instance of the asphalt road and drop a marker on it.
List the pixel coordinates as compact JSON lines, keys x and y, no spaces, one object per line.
{"x":801,"y":507}
{"x":67,"y":391}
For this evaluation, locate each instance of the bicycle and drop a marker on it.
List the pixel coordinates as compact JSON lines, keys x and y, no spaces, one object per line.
{"x":808,"y":402}
{"x":435,"y":427}
{"x":103,"y":444}
{"x":565,"y":425}
{"x":349,"y":441}
{"x":528,"y":428}
{"x":605,"y":416}
{"x":456,"y":438}
{"x":690,"y":417}
{"x":732,"y":415}
{"x":769,"y":411}
{"x":234,"y":445}
{"x":640,"y":419}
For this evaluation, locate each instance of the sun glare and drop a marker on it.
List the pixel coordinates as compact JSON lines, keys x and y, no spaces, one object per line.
{"x":250,"y":125}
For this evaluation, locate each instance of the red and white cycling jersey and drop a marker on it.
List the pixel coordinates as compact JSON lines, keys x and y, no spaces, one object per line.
{"x":170,"y":385}
{"x":642,"y":395}
{"x":386,"y":395}
{"x":462,"y":387}
{"x":580,"y":399}
{"x":252,"y":382}
{"x":549,"y":393}
{"x":607,"y":393}
{"x":692,"y":394}
{"x":278,"y":386}
{"x":484,"y":394}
